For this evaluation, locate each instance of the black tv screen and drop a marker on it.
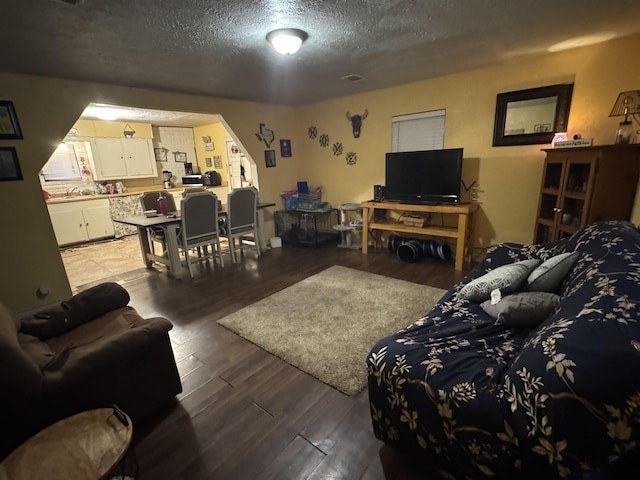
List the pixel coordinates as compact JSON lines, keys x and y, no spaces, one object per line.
{"x":424,"y":177}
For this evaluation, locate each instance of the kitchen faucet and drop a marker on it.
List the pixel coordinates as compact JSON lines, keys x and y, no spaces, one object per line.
{"x":69,"y":192}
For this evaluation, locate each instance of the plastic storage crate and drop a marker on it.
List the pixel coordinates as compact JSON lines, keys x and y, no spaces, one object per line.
{"x":310,"y":229}
{"x":309,"y":201}
{"x":289,"y":199}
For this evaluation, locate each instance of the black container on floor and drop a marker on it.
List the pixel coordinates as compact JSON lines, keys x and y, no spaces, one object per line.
{"x":410,"y":251}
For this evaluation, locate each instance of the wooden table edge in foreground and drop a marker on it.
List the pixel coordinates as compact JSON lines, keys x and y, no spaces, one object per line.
{"x":87,"y":445}
{"x":461,"y":233}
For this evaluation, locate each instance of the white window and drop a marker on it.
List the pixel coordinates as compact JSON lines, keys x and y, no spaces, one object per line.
{"x":62,"y":165}
{"x":418,"y":131}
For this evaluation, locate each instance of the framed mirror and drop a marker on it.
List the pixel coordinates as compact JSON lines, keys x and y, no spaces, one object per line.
{"x":529,"y":117}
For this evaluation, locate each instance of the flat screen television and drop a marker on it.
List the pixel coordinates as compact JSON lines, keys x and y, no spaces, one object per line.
{"x":424,"y":177}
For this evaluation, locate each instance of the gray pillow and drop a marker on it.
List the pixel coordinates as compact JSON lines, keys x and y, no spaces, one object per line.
{"x":549,"y":275}
{"x":506,"y":278}
{"x":524,"y":309}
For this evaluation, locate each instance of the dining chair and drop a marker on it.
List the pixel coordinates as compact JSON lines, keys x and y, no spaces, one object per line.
{"x":149,"y":201}
{"x":221,"y":218}
{"x":199,"y":226}
{"x":242,"y":218}
{"x":189,"y":190}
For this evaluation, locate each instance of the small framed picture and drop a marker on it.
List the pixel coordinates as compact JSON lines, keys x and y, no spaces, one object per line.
{"x":270,"y":158}
{"x":9,"y":166}
{"x":285,"y":148}
{"x":161,"y":154}
{"x":9,"y":126}
{"x":217,"y":161}
{"x":207,"y":161}
{"x":209,"y":147}
{"x":180,"y":156}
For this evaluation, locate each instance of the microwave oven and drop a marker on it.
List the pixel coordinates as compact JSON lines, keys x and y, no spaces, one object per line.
{"x":193,"y":180}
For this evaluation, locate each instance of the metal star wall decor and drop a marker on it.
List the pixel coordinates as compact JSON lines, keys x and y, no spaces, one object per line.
{"x":337,"y":149}
{"x":312,"y":132}
{"x":324,"y":140}
{"x":351,"y":158}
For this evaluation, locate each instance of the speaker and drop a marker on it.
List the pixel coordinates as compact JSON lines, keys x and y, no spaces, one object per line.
{"x":378,"y":193}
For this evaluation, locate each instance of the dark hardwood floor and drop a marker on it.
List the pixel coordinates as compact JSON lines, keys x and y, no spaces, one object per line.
{"x":243,"y":413}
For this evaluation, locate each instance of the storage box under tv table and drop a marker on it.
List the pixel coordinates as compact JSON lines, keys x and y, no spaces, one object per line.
{"x":461,"y":232}
{"x":310,"y":229}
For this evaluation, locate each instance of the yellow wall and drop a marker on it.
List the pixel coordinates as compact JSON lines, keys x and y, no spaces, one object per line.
{"x":509,"y":177}
{"x":218,"y":135}
{"x":85,"y":128}
{"x":115,"y":129}
{"x":111,"y":129}
{"x":47,"y":108}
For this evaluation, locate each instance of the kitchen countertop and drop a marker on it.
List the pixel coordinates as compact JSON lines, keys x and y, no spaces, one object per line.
{"x":79,"y":197}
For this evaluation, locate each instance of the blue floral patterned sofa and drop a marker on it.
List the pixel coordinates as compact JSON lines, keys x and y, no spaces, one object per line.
{"x":465,"y":396}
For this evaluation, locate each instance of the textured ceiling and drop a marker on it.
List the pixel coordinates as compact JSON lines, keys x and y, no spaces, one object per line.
{"x":218,"y":48}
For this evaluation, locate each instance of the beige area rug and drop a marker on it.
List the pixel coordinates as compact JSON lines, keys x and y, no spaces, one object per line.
{"x":326,"y":324}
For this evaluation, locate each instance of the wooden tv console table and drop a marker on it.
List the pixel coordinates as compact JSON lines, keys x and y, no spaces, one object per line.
{"x":461,"y":233}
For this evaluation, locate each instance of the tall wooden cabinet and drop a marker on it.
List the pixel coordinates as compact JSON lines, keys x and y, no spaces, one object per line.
{"x":583,"y":185}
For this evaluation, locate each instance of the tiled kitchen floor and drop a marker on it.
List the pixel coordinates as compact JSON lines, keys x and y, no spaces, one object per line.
{"x":117,"y":260}
{"x":86,"y":264}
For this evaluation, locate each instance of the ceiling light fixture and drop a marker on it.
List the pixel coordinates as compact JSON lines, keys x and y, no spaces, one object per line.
{"x":287,"y":41}
{"x":104,"y":113}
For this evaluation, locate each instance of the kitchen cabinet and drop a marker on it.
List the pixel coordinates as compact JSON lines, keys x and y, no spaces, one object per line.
{"x":121,"y":158}
{"x":583,"y":185}
{"x":81,"y":221}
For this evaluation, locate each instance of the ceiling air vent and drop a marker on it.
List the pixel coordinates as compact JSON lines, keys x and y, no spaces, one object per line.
{"x":72,"y":3}
{"x":352,"y":77}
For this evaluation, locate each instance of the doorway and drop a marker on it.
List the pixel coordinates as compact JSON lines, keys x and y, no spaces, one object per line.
{"x":79,"y":258}
{"x":241,"y":170}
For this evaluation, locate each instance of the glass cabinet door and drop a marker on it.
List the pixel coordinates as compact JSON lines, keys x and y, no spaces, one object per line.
{"x":574,"y":195}
{"x":566,"y":187}
{"x":550,"y":197}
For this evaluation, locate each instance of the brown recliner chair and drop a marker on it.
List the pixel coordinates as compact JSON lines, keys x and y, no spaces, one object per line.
{"x":83,"y":355}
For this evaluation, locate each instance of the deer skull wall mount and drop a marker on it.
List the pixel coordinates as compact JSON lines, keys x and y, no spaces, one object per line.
{"x":356,"y":122}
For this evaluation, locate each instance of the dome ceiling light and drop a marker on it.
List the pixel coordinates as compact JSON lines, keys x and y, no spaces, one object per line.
{"x":287,"y":41}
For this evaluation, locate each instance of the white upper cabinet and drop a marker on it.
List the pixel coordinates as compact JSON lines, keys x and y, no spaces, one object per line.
{"x":119,"y":158}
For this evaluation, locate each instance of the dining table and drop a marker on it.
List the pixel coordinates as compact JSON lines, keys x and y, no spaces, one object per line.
{"x":170,"y":225}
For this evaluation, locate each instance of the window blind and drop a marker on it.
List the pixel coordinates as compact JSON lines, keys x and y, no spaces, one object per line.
{"x":62,"y":165}
{"x":418,"y":131}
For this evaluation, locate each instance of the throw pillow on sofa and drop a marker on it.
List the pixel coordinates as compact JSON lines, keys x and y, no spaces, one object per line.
{"x":506,"y":278}
{"x":524,"y":309}
{"x":549,"y":275}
